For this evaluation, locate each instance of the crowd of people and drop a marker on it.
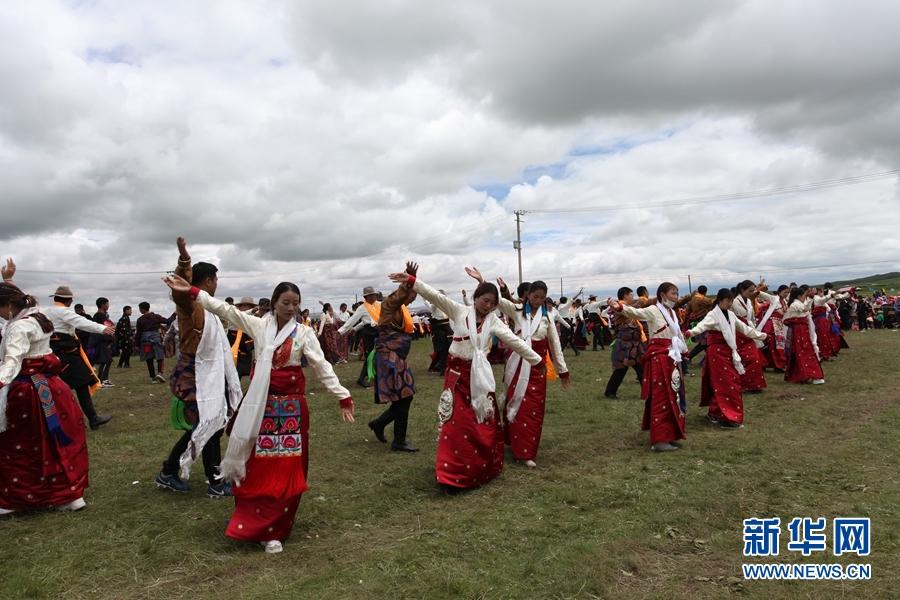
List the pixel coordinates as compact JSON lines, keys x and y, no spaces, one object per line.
{"x":51,"y":355}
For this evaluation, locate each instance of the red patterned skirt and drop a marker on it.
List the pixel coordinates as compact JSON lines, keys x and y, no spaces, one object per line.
{"x":523,"y":434}
{"x":266,"y":502}
{"x":469,"y":453}
{"x":720,"y":388}
{"x":824,"y":337}
{"x":753,"y":378}
{"x":802,"y":364}
{"x":43,"y":452}
{"x":663,"y":414}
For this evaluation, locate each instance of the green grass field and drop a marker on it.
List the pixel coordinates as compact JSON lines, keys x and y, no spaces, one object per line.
{"x":602,"y":517}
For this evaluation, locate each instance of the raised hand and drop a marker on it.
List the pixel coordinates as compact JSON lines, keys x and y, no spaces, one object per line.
{"x":412,"y":268}
{"x":474,"y":274}
{"x":182,"y":248}
{"x":399,"y":277}
{"x":8,"y":270}
{"x":502,"y":284}
{"x":178,"y":284}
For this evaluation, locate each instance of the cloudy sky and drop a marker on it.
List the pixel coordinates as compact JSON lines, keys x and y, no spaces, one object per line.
{"x":325,"y":143}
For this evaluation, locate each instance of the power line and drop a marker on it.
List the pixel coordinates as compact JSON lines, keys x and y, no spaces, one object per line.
{"x":794,"y":189}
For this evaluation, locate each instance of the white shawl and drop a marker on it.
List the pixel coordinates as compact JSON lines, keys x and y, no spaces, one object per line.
{"x":481,"y":378}
{"x":216,"y":378}
{"x":246,"y":425}
{"x":679,"y":346}
{"x":530,"y":325}
{"x":727,"y":327}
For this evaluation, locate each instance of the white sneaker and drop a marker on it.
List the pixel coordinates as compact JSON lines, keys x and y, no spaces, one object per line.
{"x":6,"y":511}
{"x":73,"y":505}
{"x":153,"y":380}
{"x":530,"y":464}
{"x":160,"y":378}
{"x":272,"y":546}
{"x":818,"y":381}
{"x":108,"y":384}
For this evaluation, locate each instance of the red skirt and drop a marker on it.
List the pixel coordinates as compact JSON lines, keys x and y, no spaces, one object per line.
{"x":469,"y":453}
{"x":524,"y":433}
{"x":753,"y":377}
{"x":662,"y":413}
{"x":39,"y":467}
{"x":265,"y":504}
{"x":824,"y":337}
{"x":720,"y":387}
{"x":802,"y":364}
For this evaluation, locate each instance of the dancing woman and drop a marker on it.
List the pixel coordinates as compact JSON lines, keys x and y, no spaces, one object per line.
{"x":800,"y":348}
{"x":753,"y":380}
{"x":42,"y":435}
{"x":268,"y":449}
{"x":526,"y":386}
{"x":663,"y":384}
{"x":721,"y":384}
{"x":772,"y":324}
{"x":470,"y":445}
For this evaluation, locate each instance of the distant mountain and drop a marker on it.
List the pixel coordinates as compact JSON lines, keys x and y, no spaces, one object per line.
{"x":887,"y":281}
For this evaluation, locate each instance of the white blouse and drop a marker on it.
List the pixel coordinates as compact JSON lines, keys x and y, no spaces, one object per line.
{"x":654,"y":319}
{"x":461,"y":346}
{"x":545,"y":330}
{"x":709,"y":323}
{"x":24,"y":338}
{"x":304,"y":341}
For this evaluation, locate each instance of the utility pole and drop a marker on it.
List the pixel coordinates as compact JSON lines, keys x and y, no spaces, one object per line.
{"x":560,"y":287}
{"x":690,"y":289}
{"x":518,"y":243}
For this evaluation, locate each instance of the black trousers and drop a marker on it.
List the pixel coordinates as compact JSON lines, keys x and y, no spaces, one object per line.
{"x":150,"y":368}
{"x":615,"y":380}
{"x":441,"y":338}
{"x":398,"y":413}
{"x":212,"y":455}
{"x":103,"y":370}
{"x":124,"y":358}
{"x":86,"y":403}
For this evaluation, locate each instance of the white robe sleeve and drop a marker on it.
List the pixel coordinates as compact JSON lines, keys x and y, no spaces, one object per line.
{"x":18,"y":342}
{"x":707,"y":324}
{"x":749,"y":331}
{"x":321,"y":367}
{"x":453,"y":309}
{"x":255,"y":325}
{"x":514,"y":342}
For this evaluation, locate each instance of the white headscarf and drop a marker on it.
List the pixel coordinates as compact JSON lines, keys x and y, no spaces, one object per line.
{"x":530,"y":324}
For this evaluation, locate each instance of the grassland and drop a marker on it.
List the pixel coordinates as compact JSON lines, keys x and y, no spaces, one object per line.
{"x":600,"y":518}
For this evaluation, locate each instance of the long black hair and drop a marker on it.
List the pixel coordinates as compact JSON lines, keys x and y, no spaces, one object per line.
{"x":486,"y":287}
{"x":664,"y":288}
{"x":11,"y":295}
{"x":796,"y":293}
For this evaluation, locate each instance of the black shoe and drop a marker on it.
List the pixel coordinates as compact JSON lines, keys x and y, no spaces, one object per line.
{"x":611,"y":396}
{"x":378,"y":431}
{"x":730,"y":425}
{"x":753,"y":392}
{"x":219,"y":490}
{"x":404,"y":447}
{"x":171,"y":482}
{"x":98,"y":422}
{"x":362,"y":383}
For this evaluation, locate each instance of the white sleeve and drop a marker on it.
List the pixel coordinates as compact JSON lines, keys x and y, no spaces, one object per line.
{"x":508,"y":308}
{"x":707,"y":324}
{"x":514,"y":342}
{"x":453,"y":309}
{"x":17,"y":344}
{"x":556,"y":352}
{"x":255,"y":325}
{"x":321,"y":367}
{"x":748,"y":331}
{"x":70,"y":317}
{"x":641,"y":314}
